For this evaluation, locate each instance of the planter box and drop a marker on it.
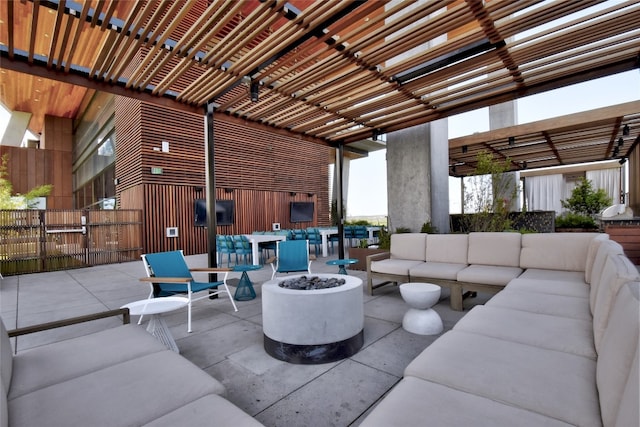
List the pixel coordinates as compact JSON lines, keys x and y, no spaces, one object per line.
{"x":361,"y":255}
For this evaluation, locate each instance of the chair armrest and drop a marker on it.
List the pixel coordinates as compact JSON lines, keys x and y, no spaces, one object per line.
{"x":210,"y":269}
{"x":312,"y":257}
{"x":271,"y":260}
{"x":376,"y":257}
{"x":166,"y":279}
{"x":126,"y":318}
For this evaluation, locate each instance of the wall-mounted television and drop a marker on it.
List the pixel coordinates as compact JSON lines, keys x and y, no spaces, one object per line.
{"x":302,"y":211}
{"x":225,"y":210}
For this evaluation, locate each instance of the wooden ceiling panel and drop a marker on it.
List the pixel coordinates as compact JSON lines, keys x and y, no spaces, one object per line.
{"x":338,"y":71}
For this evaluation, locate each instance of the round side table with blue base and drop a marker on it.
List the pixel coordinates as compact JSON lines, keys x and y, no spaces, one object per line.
{"x":245,"y":291}
{"x":341,"y":263}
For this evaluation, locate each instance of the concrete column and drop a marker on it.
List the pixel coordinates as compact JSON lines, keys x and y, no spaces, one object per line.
{"x":417,"y":177}
{"x":500,"y":116}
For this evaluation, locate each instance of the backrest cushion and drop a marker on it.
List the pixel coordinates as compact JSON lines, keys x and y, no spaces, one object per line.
{"x":409,"y":246}
{"x":6,"y":357}
{"x":556,"y":251}
{"x":617,"y":271}
{"x":618,"y":350}
{"x":452,"y":248}
{"x":628,"y":414}
{"x":605,"y":250}
{"x":591,"y":254}
{"x":493,"y":248}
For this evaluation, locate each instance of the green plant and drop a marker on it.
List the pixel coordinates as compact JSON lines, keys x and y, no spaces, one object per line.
{"x":403,"y":230}
{"x":489,"y":195}
{"x":428,"y":228}
{"x":575,"y":220}
{"x":384,"y":239}
{"x":585,"y":200}
{"x":363,"y":243}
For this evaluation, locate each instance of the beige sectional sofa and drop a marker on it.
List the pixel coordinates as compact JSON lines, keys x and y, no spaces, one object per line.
{"x":120,"y":376}
{"x":478,"y":261}
{"x":554,"y":348}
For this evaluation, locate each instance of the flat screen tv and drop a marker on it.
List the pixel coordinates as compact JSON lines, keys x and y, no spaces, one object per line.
{"x":302,"y":211}
{"x":224,"y":212}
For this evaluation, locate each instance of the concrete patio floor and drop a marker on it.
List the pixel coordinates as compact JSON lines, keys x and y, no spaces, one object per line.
{"x":228,"y":345}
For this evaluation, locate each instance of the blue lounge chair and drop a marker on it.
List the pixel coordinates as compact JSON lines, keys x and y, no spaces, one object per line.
{"x":291,"y":256}
{"x":168,"y":274}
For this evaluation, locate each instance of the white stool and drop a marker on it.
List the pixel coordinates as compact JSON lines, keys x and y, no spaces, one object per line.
{"x":421,"y":318}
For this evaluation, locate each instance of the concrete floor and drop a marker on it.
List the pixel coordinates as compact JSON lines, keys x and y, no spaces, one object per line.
{"x":229,"y":345}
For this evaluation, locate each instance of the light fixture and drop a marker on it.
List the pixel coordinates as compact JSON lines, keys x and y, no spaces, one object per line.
{"x":625,"y":130}
{"x":198,"y":189}
{"x":228,"y":190}
{"x":255,"y":91}
{"x":310,"y":194}
{"x":622,"y":161}
{"x":465,"y":148}
{"x":293,"y":193}
{"x":620,"y":142}
{"x":524,"y":164}
{"x":512,"y":141}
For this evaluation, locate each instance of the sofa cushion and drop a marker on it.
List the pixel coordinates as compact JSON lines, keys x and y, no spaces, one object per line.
{"x":555,"y":287}
{"x":555,"y":384}
{"x":436,"y":270}
{"x":409,"y":246}
{"x":617,"y":271}
{"x":415,"y":402}
{"x":6,"y":357}
{"x":542,"y":274}
{"x":565,"y":334}
{"x":618,"y":350}
{"x":488,"y":274}
{"x":4,"y":410}
{"x":447,"y":248}
{"x":501,"y":249}
{"x":605,"y":250}
{"x":543,"y":303}
{"x":208,"y":410}
{"x":628,"y":414}
{"x":594,"y":245}
{"x":61,"y":361}
{"x":556,"y":251}
{"x":134,"y":392}
{"x":398,"y":267}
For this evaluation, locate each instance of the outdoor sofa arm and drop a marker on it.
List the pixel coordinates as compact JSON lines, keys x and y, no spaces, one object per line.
{"x":124,"y":312}
{"x":377,"y":257}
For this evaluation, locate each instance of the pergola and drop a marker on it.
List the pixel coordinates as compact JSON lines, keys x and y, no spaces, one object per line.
{"x":336,"y":72}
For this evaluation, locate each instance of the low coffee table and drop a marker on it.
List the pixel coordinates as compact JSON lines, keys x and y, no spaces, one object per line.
{"x":154,"y":307}
{"x":421,"y":318}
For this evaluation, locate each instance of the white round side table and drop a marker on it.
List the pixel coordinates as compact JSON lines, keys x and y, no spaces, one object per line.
{"x":421,"y":318}
{"x":155,"y":307}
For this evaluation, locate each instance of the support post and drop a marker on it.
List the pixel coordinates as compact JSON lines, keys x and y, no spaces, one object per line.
{"x":211,"y":189}
{"x":340,"y":209}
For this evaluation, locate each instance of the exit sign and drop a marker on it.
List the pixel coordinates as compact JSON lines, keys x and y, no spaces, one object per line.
{"x":156,"y":171}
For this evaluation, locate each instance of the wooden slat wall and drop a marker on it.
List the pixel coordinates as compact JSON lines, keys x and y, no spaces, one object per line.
{"x":629,"y":237}
{"x":256,"y":168}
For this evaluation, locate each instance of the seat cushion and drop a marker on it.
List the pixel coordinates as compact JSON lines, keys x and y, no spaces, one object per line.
{"x":415,"y":402}
{"x":436,"y":270}
{"x":134,"y":392}
{"x":565,"y":276}
{"x":543,"y":303}
{"x":553,"y":383}
{"x":64,"y":360}
{"x":488,"y":274}
{"x":399,"y":267}
{"x":565,"y":334}
{"x":554,"y":287}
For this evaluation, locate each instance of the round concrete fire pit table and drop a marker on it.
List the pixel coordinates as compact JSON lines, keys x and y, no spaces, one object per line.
{"x":313,"y":326}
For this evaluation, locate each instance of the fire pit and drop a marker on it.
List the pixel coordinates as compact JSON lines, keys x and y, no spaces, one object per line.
{"x":311,"y":326}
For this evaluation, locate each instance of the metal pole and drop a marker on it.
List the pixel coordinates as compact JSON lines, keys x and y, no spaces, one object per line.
{"x":211,"y":189}
{"x":340,"y":209}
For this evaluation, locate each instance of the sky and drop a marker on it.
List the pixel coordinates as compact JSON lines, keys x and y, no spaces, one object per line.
{"x":368,"y":173}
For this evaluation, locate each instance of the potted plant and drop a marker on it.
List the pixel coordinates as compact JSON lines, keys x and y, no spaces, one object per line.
{"x":583,"y":206}
{"x":364,"y":249}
